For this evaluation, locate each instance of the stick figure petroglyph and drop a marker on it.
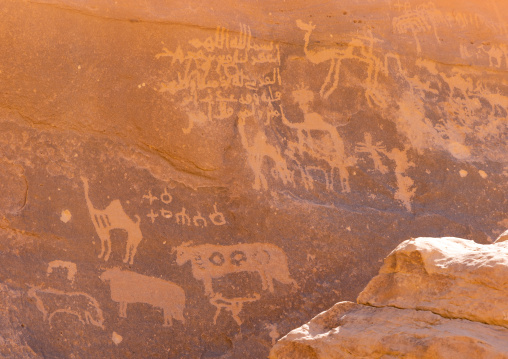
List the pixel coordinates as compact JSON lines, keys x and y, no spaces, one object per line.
{"x":373,"y":149}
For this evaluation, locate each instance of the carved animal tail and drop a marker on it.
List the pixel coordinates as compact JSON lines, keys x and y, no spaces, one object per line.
{"x":86,"y":189}
{"x":138,"y":219}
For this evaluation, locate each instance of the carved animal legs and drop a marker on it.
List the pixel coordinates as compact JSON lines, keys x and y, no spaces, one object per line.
{"x":208,"y":286}
{"x":168,"y":319}
{"x":266,"y":281}
{"x":105,"y":242}
{"x":131,"y":248}
{"x":123,"y":309}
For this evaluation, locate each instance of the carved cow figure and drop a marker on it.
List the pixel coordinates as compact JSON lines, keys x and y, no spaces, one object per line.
{"x":213,"y":261}
{"x":130,"y":287}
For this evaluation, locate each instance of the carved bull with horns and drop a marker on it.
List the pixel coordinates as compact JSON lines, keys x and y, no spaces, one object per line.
{"x":213,"y":261}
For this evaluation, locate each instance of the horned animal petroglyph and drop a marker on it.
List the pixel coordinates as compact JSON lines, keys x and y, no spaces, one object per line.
{"x":210,"y":261}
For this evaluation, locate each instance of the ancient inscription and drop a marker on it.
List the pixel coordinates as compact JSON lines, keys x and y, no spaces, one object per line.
{"x":181,"y":215}
{"x":130,"y":287}
{"x":215,"y":78}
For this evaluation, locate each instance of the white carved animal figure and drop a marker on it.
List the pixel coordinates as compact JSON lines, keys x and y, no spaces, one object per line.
{"x":213,"y":261}
{"x":51,"y":301}
{"x":234,"y":305}
{"x":130,"y":287}
{"x":113,"y":217}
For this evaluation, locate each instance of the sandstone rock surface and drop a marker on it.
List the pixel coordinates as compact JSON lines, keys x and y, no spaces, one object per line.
{"x":452,"y":277}
{"x":433,"y":298}
{"x":350,"y":330}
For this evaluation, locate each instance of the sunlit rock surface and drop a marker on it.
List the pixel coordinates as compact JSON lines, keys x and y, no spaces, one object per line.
{"x":452,"y":277}
{"x":189,"y":181}
{"x":433,"y":298}
{"x":350,"y":330}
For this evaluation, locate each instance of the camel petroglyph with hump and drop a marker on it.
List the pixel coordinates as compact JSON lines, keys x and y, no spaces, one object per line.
{"x":110,"y":218}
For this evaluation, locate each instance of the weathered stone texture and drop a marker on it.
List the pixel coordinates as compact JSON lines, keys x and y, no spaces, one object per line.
{"x":433,"y":298}
{"x":453,"y":277}
{"x":350,"y":330}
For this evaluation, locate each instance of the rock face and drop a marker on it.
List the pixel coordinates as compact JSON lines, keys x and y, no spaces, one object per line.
{"x":452,"y":277}
{"x":252,"y":161}
{"x":417,"y":308}
{"x":350,"y":330}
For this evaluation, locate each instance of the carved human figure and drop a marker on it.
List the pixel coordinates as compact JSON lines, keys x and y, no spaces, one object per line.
{"x":113,"y":217}
{"x":329,"y":147}
{"x":130,"y":287}
{"x":258,"y":149}
{"x":373,"y":150}
{"x":405,"y":185}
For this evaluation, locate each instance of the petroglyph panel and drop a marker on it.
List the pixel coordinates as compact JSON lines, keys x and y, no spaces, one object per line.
{"x":194,"y":182}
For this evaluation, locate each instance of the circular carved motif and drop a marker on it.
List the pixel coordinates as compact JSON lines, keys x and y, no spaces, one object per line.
{"x":237,"y":257}
{"x":217,"y":259}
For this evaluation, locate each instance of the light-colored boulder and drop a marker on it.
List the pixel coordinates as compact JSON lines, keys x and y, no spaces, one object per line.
{"x":453,"y":277}
{"x":351,"y":330}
